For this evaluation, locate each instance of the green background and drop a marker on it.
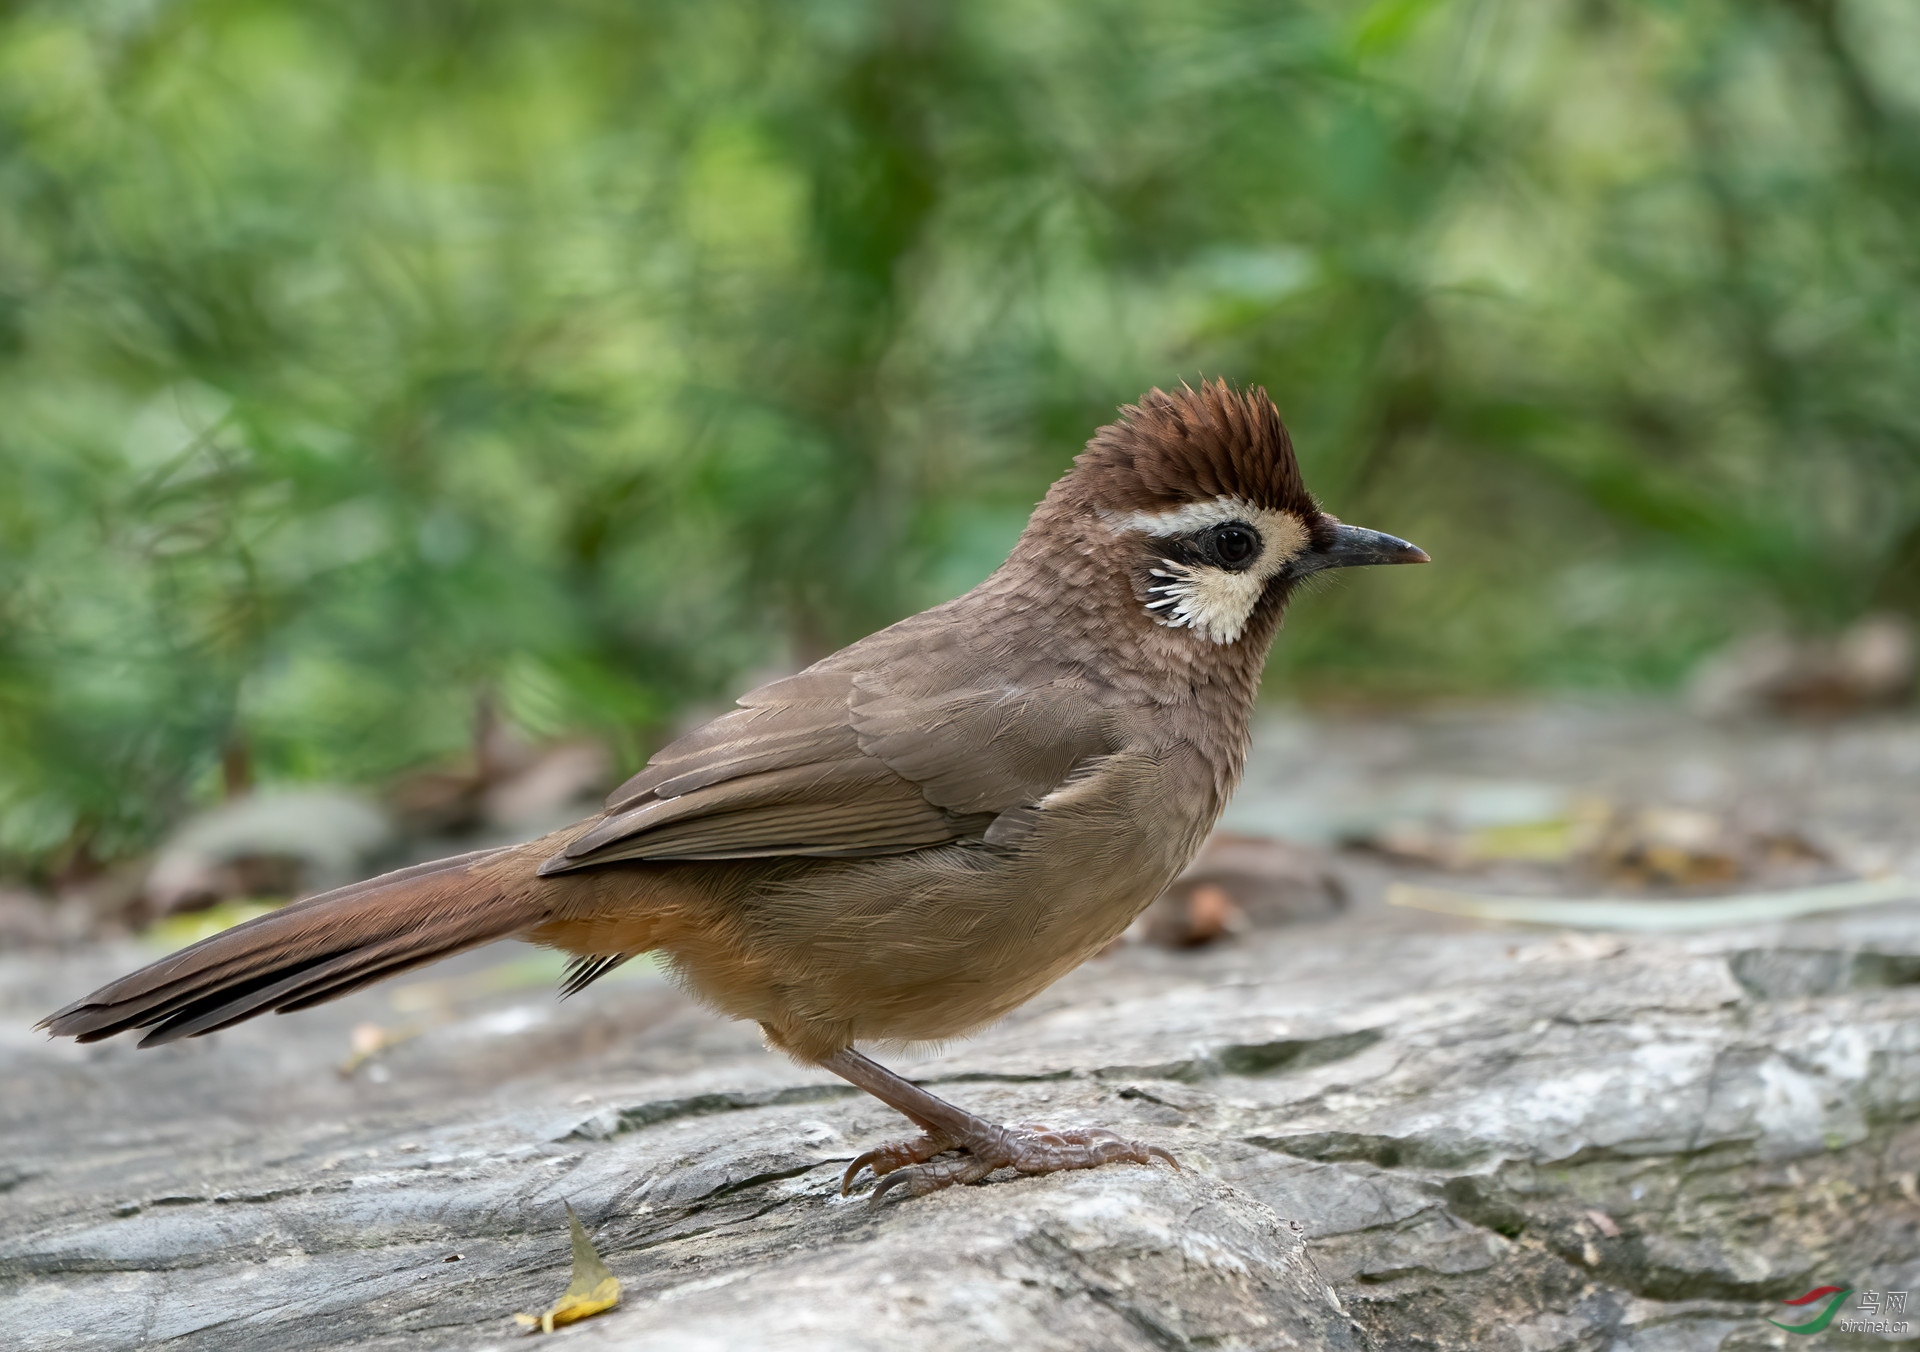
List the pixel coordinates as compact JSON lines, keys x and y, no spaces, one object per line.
{"x":359,"y":359}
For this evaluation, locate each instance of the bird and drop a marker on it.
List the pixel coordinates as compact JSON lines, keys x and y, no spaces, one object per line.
{"x":909,"y":838}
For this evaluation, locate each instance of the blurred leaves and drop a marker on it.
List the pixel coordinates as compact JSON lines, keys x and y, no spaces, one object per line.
{"x":362,"y":359}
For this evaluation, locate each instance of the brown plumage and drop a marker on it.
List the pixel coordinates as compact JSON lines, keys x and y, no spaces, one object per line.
{"x":912,"y":836}
{"x":1197,"y":444}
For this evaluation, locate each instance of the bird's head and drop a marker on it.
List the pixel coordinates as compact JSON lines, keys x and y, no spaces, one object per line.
{"x":1197,"y":498}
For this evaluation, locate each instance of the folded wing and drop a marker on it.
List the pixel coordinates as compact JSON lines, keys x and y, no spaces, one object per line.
{"x":830,"y":764}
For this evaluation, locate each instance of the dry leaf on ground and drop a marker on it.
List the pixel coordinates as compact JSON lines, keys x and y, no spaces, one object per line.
{"x":593,"y":1290}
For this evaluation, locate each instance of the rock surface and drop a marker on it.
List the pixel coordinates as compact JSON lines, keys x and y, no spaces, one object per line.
{"x":1398,"y":1130}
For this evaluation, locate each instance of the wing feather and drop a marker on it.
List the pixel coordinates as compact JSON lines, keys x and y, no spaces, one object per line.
{"x":834,"y":763}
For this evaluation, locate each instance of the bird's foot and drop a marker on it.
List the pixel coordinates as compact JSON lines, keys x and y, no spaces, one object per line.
{"x":1027,"y":1147}
{"x":895,"y":1155}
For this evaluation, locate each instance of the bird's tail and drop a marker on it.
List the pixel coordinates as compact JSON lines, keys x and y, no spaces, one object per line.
{"x":314,"y":950}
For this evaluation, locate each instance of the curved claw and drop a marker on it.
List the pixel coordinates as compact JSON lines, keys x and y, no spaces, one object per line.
{"x":924,"y":1178}
{"x":888,"y":1184}
{"x":895,"y":1155}
{"x":853,"y":1170}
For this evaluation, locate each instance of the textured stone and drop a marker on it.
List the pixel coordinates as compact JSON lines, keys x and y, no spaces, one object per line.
{"x":1399,"y":1131}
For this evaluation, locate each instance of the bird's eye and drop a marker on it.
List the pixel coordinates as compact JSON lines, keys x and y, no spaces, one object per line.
{"x":1233,"y":545}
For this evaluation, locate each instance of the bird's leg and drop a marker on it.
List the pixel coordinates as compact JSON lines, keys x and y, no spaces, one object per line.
{"x":1026,"y":1147}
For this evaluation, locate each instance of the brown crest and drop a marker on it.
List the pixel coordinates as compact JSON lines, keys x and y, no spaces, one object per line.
{"x":1193,"y":445}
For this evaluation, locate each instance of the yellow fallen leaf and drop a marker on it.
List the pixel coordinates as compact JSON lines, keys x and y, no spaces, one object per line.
{"x":1542,"y":842}
{"x":593,"y":1289}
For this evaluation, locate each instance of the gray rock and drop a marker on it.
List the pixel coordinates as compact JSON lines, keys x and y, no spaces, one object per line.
{"x":1398,"y":1131}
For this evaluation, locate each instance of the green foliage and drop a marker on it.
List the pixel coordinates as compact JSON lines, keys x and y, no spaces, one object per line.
{"x":362,"y":357}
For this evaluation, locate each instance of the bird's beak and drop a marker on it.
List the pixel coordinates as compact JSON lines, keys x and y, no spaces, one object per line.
{"x":1356,"y":547}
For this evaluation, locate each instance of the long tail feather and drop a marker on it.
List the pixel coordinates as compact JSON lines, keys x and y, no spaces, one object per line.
{"x":314,"y":950}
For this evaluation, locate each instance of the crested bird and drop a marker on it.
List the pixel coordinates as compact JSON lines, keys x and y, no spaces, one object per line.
{"x":912,"y":836}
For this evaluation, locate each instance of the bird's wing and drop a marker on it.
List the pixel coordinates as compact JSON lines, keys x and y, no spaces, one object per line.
{"x":842,"y":763}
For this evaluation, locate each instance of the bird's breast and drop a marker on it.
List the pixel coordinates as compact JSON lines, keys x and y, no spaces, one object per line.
{"x":936,"y":943}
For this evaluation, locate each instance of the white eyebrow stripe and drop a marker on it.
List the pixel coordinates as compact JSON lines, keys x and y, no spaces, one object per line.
{"x":1184,"y":519}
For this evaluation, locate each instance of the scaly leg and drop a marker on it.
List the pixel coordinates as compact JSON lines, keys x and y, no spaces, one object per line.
{"x":988,"y":1146}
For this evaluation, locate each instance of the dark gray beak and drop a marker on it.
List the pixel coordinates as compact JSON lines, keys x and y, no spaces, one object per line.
{"x":1356,"y":547}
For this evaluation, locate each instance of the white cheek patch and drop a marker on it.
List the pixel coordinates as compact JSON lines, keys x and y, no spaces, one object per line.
{"x":1214,"y":602}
